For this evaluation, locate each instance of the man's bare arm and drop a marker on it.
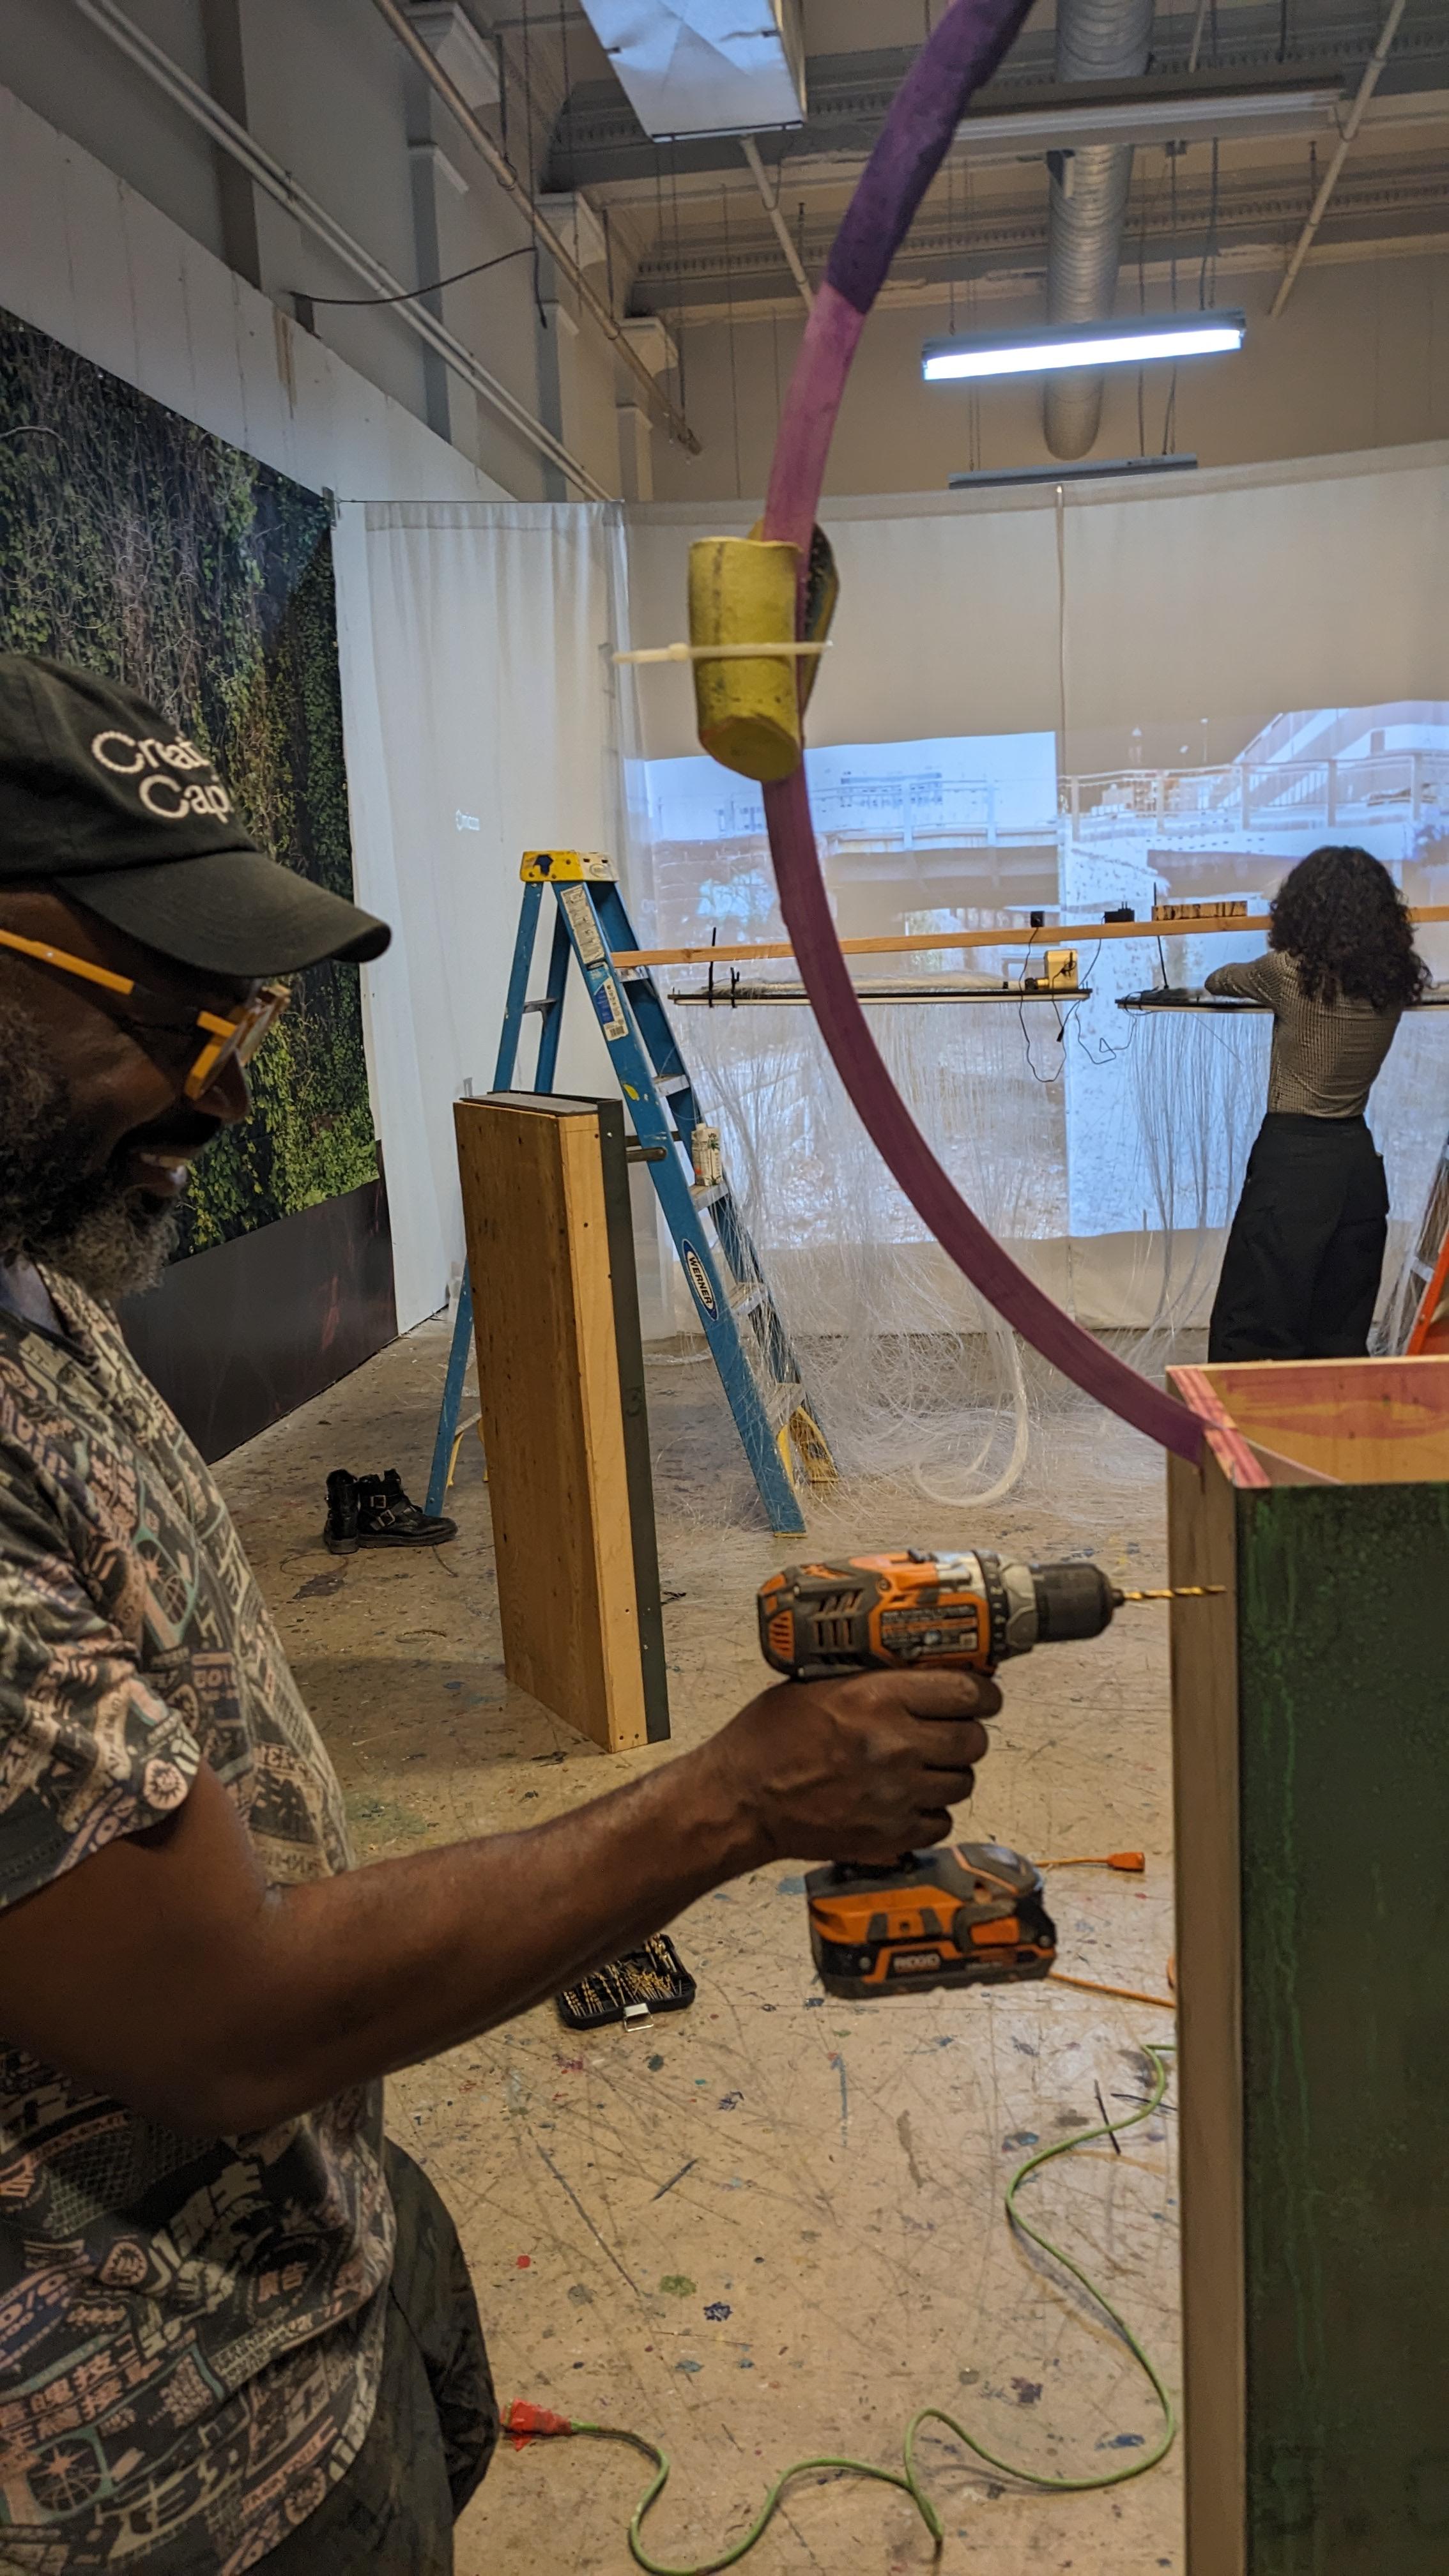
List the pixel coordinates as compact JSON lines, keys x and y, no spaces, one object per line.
{"x":165,"y":1971}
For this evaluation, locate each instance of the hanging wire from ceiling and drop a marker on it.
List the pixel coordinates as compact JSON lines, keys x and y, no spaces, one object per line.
{"x":974,"y":444}
{"x":1169,"y":413}
{"x":951,"y":236}
{"x":724,"y":199}
{"x":659,"y":231}
{"x":1207,"y":284}
{"x":1140,"y":184}
{"x":678,"y":268}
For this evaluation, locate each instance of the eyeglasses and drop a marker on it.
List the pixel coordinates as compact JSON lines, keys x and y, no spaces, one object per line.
{"x":230,"y":1038}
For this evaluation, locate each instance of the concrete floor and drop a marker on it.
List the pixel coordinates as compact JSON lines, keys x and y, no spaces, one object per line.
{"x":771,"y":2227}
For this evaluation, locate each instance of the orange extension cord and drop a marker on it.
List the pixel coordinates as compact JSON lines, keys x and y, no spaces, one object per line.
{"x":1136,"y":1863}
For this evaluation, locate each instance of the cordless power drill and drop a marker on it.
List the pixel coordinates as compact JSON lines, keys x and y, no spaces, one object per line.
{"x":964,"y":1915}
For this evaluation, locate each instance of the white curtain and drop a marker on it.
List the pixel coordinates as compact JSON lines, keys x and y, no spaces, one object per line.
{"x":1223,"y":669}
{"x":1159,"y":637}
{"x":480,"y":701}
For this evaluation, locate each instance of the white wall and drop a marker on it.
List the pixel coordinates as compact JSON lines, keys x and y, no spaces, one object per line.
{"x":1359,"y":359}
{"x":84,"y":256}
{"x":330,"y":94}
{"x":1238,"y":591}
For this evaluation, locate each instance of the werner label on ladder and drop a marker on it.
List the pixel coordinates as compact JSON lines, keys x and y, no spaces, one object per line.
{"x":758,"y":1368}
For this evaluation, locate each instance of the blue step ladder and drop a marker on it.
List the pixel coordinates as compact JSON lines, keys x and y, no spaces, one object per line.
{"x":758,"y":1368}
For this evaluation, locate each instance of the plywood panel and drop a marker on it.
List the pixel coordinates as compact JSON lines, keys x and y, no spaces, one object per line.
{"x":1365,"y":1422}
{"x":548,"y":1378}
{"x":1203,"y":1549}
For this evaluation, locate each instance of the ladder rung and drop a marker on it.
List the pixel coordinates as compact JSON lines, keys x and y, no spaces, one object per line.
{"x":704,"y":1193}
{"x":634,"y":974}
{"x":546,"y":1002}
{"x":745,"y":1300}
{"x":669,"y":1083}
{"x":1420,"y":1269}
{"x":636,"y":1153}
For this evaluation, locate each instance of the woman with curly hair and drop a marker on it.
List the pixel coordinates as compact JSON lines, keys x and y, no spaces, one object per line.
{"x":1301,"y":1271}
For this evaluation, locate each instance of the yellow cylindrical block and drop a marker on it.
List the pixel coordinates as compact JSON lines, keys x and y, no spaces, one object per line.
{"x":742,"y":591}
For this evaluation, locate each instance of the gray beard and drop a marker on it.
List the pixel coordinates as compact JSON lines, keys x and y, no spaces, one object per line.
{"x":97,"y":1229}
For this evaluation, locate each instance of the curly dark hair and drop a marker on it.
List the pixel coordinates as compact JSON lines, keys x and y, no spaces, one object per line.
{"x":1342,"y":919}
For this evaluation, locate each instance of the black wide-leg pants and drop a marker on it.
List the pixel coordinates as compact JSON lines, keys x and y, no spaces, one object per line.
{"x":1301,"y":1272}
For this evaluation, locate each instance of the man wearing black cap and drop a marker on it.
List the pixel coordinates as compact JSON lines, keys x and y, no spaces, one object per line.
{"x":236,"y":2329}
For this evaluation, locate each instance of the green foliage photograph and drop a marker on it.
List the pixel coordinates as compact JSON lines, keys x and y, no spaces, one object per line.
{"x":135,"y":544}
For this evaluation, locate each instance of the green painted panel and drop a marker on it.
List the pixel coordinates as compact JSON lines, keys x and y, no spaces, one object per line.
{"x":1344,"y":1642}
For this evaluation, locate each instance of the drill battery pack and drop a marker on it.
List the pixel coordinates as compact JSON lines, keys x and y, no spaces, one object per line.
{"x":964,"y":1914}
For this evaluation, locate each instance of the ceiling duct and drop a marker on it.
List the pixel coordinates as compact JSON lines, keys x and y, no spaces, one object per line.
{"x":692,"y":67}
{"x":1097,"y":40}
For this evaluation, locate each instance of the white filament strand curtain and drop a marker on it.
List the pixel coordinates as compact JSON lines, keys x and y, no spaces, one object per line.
{"x":1233,"y":667}
{"x":1160,"y":638}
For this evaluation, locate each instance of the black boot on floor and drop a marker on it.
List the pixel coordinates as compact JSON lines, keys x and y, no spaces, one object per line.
{"x":341,"y":1531}
{"x":386,"y":1518}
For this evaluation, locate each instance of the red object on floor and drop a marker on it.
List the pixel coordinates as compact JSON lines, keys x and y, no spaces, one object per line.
{"x":524,"y":2422}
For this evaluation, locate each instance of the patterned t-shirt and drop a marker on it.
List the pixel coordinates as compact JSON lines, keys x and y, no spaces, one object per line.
{"x":190,"y":2333}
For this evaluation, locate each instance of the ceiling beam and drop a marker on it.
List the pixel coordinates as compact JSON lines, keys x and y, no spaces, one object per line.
{"x":598,"y":142}
{"x":770,"y":200}
{"x":1373,"y":73}
{"x":1385,"y":209}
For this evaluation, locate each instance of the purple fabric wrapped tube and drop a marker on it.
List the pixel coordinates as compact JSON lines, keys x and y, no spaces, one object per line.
{"x":964,"y":51}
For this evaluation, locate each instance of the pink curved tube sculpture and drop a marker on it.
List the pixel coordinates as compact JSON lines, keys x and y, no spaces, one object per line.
{"x":964,"y":51}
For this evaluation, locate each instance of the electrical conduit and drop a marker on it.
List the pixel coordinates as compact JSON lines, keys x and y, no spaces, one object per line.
{"x":270,"y":174}
{"x":1096,"y":40}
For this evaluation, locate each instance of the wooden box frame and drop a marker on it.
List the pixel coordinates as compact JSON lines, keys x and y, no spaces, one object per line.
{"x":1311,"y":1725}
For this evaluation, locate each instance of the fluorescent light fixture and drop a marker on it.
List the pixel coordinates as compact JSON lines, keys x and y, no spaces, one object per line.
{"x":1083,"y":344}
{"x":1150,"y":117}
{"x":692,"y":67}
{"x":1093,"y":471}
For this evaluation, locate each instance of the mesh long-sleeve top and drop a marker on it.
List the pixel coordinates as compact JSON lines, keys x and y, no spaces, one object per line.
{"x":1326,"y":1055}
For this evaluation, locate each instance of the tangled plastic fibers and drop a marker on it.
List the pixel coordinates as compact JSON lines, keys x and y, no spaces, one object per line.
{"x":921,"y":1387}
{"x":919,"y":1382}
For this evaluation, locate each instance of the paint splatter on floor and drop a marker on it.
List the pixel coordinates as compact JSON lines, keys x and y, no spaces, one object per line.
{"x":867,"y":2289}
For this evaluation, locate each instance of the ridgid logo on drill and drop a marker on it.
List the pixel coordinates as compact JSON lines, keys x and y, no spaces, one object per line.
{"x":161,"y":771}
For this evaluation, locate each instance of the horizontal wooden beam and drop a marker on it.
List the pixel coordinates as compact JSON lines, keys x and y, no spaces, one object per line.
{"x":1055,"y":934}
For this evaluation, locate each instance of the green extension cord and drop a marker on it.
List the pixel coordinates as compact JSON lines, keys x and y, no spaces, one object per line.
{"x":526,"y":2420}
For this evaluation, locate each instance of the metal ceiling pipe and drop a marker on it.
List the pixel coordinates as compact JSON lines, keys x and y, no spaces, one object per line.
{"x":242,"y":147}
{"x":1329,"y":182}
{"x":770,"y":200}
{"x":1096,"y":40}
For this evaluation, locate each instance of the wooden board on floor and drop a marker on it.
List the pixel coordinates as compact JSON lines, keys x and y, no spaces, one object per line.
{"x":1312,"y":1818}
{"x":563,"y":1421}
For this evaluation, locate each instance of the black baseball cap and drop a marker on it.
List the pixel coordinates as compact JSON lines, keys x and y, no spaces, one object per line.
{"x":102,"y":797}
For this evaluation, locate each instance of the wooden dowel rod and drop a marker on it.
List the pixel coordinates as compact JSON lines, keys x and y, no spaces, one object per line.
{"x":1053,"y":934}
